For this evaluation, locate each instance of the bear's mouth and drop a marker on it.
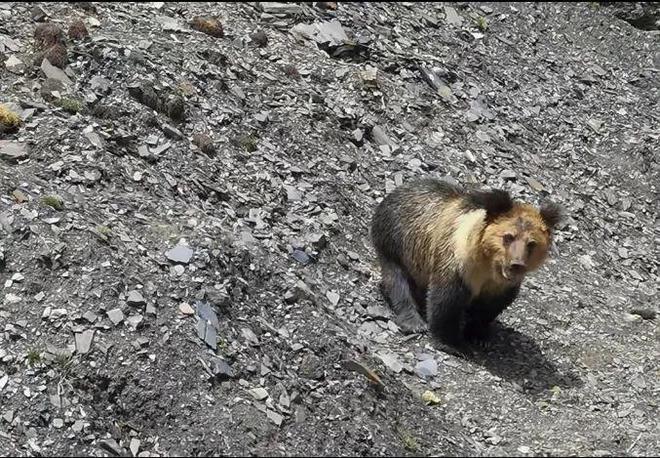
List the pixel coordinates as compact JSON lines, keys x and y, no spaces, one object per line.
{"x":510,"y":276}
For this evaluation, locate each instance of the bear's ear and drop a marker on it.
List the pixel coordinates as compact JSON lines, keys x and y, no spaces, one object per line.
{"x":552,"y":214}
{"x":495,"y":202}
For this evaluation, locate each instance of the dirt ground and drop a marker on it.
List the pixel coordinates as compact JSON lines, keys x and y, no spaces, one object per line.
{"x":185,"y":265}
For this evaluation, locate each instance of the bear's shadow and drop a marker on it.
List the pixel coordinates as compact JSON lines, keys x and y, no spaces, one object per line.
{"x":515,"y":357}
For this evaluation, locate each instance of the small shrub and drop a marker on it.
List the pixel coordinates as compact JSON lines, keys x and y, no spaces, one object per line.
{"x":482,"y":23}
{"x":9,"y":121}
{"x":53,"y":201}
{"x":33,"y":357}
{"x":69,"y":105}
{"x":248,"y":142}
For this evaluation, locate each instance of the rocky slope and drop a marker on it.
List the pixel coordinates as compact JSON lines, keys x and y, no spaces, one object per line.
{"x":184,"y":207}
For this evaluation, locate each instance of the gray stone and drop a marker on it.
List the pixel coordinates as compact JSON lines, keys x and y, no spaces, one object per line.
{"x":14,"y":65}
{"x":379,"y":136}
{"x":259,"y":393}
{"x":116,"y":316}
{"x":534,"y":184}
{"x":142,"y":342}
{"x":8,"y":416}
{"x":143,"y":151}
{"x":13,"y":151}
{"x":161,"y":149}
{"x":111,"y":446}
{"x":427,"y":368}
{"x":300,"y":415}
{"x":391,"y":361}
{"x":292,"y":194}
{"x":205,"y":311}
{"x":332,"y":297}
{"x":207,"y":332}
{"x":135,"y":320}
{"x":250,"y":336}
{"x":95,"y":139}
{"x":135,"y":298}
{"x":55,"y":73}
{"x":170,"y":24}
{"x":90,"y":316}
{"x":179,"y":270}
{"x":7,"y":42}
{"x":595,"y":124}
{"x":508,"y":174}
{"x":358,"y":135}
{"x":38,"y":14}
{"x":274,"y":417}
{"x":330,"y":32}
{"x":645,"y":313}
{"x":134,"y":446}
{"x":84,"y":341}
{"x":378,"y":312}
{"x":99,"y":84}
{"x":172,"y":132}
{"x":279,"y":8}
{"x":77,"y":426}
{"x":221,"y":370}
{"x":52,"y":89}
{"x":180,"y":253}
{"x":452,"y":17}
{"x":301,"y":256}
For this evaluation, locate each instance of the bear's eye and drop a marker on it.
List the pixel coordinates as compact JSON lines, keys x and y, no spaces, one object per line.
{"x":508,"y":238}
{"x":531,"y":245}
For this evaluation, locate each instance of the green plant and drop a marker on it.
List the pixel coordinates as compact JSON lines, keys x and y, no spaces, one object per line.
{"x":482,"y":23}
{"x":62,"y":361}
{"x":33,"y":357}
{"x":69,"y":105}
{"x":103,"y":230}
{"x":248,"y":142}
{"x":53,"y":201}
{"x":408,"y":441}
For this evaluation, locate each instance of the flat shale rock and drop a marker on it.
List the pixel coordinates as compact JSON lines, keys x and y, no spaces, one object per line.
{"x":13,"y":151}
{"x":52,"y":71}
{"x":427,"y":368}
{"x":135,"y":298}
{"x":84,"y":341}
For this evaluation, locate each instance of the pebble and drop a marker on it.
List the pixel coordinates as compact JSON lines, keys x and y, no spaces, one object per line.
{"x":221,"y":369}
{"x":301,"y":257}
{"x":13,"y":151}
{"x":135,"y":298}
{"x":274,"y":417}
{"x":180,"y":254}
{"x":84,"y":341}
{"x":134,"y":446}
{"x":391,"y":361}
{"x":259,"y":393}
{"x":77,"y":426}
{"x":116,"y":316}
{"x":427,"y":368}
{"x":332,"y":297}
